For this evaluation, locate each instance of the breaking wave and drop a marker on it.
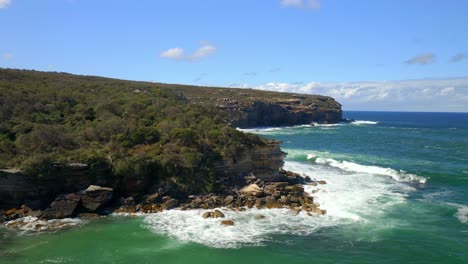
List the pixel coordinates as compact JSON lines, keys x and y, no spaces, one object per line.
{"x":348,"y":198}
{"x":397,"y":175}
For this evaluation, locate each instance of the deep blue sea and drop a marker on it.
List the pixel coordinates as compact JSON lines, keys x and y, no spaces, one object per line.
{"x":396,"y":192}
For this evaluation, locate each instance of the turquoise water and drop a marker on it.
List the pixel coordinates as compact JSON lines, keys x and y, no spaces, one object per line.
{"x":396,"y":192}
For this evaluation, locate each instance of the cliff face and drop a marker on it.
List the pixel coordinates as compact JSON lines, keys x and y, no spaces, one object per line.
{"x":263,"y":161}
{"x":284,"y":113}
{"x":255,"y":108}
{"x":17,"y":188}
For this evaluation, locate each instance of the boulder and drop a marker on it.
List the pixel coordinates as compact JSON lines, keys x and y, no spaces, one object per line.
{"x":206,"y":215}
{"x":258,"y":217}
{"x":213,"y":214}
{"x":153,"y":198}
{"x":62,"y":207}
{"x":295,"y":189}
{"x":227,"y":222}
{"x":96,"y":197}
{"x":252,"y":190}
{"x":322,"y":182}
{"x":169,"y":204}
{"x":217,"y":214}
{"x":228,"y":200}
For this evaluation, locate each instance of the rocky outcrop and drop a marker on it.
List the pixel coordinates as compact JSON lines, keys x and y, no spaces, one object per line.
{"x":262,"y":161}
{"x":17,"y":188}
{"x":299,"y":110}
{"x":96,"y":197}
{"x":63,"y":206}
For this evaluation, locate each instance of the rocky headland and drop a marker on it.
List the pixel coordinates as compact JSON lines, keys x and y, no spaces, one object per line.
{"x":80,"y":146}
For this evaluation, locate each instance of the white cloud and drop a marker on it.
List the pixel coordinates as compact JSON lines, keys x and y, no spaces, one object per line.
{"x":4,"y":3}
{"x":206,"y":49}
{"x":407,"y":95}
{"x":174,"y":53}
{"x":8,"y":56}
{"x":310,"y":4}
{"x":447,"y":91}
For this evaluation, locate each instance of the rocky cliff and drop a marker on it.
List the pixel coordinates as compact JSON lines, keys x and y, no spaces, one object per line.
{"x":256,"y":108}
{"x":18,"y":189}
{"x":69,"y":132}
{"x":284,"y":113}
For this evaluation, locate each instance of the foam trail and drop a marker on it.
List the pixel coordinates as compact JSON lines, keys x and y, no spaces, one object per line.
{"x":268,"y":129}
{"x":355,"y":167}
{"x":190,"y":226}
{"x":462,"y":212}
{"x":29,"y":223}
{"x":364,"y":122}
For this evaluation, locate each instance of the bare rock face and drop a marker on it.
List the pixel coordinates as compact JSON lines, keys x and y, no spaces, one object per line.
{"x":96,"y":197}
{"x":252,"y":190}
{"x":62,"y":207}
{"x":298,"y":110}
{"x":169,"y":204}
{"x":262,"y":161}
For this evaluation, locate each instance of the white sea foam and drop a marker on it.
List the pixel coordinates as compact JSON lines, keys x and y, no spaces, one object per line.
{"x":376,"y":170}
{"x":351,"y":196}
{"x":268,"y":129}
{"x":30,"y":223}
{"x":190,"y":226}
{"x":462,"y":212}
{"x":348,"y":198}
{"x":364,"y":122}
{"x":328,"y":125}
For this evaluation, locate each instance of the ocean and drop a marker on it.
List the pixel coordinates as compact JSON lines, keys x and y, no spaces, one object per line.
{"x":396,"y":192}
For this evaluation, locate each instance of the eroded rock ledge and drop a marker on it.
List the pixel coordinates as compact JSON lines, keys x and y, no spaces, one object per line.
{"x":95,"y":201}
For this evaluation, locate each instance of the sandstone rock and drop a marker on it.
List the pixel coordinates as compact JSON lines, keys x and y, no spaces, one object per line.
{"x":152,"y":198}
{"x":295,"y":189}
{"x":206,"y":215}
{"x":227,"y":222}
{"x":217,"y":214}
{"x":169,"y":204}
{"x":88,"y":215}
{"x":250,"y":203}
{"x":62,"y":207}
{"x":322,"y":182}
{"x":252,"y":190}
{"x":228,"y":200}
{"x":96,"y":197}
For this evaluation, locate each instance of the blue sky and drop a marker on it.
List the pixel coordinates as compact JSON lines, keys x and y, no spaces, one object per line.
{"x":416,"y":51}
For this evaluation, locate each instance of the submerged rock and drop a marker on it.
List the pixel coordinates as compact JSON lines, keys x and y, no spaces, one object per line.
{"x":213,"y":214}
{"x":227,"y":222}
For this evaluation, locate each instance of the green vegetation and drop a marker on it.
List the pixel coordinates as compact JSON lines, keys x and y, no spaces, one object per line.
{"x":133,"y":128}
